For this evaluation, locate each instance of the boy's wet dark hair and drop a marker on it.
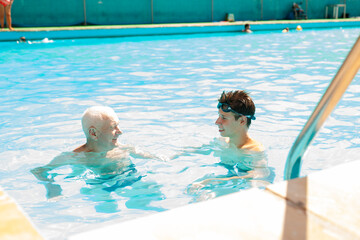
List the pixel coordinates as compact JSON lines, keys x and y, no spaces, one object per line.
{"x":239,"y":101}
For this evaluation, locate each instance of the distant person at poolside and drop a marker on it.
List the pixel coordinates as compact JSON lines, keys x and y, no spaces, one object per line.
{"x":296,"y":12}
{"x":297,"y":9}
{"x":247,"y":28}
{"x":5,"y":7}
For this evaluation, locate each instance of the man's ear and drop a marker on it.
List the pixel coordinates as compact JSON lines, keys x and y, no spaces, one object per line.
{"x":93,"y":133}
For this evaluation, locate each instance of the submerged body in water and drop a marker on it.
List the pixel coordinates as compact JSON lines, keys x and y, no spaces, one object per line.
{"x":101,"y":174}
{"x":242,"y":169}
{"x":253,"y":163}
{"x":101,"y":164}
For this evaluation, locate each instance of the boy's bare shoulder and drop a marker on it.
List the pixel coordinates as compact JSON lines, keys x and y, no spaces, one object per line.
{"x":254,"y":145}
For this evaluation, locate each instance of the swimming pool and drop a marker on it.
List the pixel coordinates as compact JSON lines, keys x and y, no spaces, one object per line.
{"x":165,"y":90}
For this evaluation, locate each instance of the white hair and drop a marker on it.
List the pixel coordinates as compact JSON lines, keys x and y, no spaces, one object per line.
{"x":94,"y":116}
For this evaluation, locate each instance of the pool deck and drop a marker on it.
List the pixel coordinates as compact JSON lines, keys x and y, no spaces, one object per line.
{"x":73,"y":32}
{"x":322,"y":205}
{"x":14,"y":223}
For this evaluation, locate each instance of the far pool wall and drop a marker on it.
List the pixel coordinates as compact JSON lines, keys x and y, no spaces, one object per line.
{"x":39,"y":13}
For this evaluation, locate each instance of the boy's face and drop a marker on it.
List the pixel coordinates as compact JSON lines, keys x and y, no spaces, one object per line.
{"x":228,"y":126}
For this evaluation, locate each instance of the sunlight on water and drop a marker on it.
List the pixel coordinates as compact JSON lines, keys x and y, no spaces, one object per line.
{"x":164,"y":90}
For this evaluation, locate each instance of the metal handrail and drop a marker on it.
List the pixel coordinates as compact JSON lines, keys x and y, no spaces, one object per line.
{"x":328,"y":102}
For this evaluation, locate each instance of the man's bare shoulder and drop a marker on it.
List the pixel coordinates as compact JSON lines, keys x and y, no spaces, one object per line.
{"x":118,"y":153}
{"x":81,"y":148}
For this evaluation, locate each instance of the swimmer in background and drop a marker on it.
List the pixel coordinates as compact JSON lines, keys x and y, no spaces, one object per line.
{"x":23,"y":40}
{"x":236,"y":111}
{"x":101,"y":153}
{"x":247,"y":28}
{"x":285,"y":30}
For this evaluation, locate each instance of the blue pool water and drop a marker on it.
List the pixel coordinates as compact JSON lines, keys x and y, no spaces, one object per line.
{"x":165,"y":90}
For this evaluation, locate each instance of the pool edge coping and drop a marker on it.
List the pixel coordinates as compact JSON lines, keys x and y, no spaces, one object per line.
{"x":74,"y":32}
{"x":310,"y":205}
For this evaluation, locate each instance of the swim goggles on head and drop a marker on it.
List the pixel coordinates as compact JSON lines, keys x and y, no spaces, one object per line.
{"x":226,"y":108}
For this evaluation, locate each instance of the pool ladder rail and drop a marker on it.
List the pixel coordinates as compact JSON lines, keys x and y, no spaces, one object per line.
{"x":327,"y":103}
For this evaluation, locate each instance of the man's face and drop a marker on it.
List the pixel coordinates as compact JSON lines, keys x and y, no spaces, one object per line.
{"x":228,"y":126}
{"x":109,"y":133}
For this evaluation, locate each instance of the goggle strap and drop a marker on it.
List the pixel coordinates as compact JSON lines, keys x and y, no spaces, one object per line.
{"x":228,"y":109}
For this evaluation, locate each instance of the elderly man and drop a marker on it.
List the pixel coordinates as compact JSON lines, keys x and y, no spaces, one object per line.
{"x":100,"y":154}
{"x":101,"y":127}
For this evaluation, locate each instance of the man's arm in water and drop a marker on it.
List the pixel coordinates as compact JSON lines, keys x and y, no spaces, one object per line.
{"x":138,"y":153}
{"x":42,"y":173}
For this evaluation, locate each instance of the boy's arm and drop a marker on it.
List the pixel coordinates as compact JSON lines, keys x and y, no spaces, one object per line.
{"x":258,"y":172}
